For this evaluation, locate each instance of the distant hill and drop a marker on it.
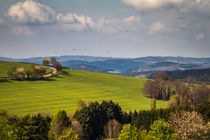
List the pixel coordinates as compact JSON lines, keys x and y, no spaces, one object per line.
{"x":63,"y":92}
{"x":125,"y":66}
{"x":89,"y":68}
{"x":165,"y":66}
{"x":194,"y":74}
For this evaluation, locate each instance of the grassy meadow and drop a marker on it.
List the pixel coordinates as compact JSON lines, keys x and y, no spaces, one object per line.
{"x":63,"y":92}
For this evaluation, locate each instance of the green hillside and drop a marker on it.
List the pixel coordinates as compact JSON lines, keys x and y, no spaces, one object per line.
{"x":63,"y":92}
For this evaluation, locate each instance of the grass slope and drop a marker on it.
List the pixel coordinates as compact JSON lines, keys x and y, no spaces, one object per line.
{"x":63,"y":92}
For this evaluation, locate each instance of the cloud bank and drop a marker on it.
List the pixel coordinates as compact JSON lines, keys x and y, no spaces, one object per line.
{"x":32,"y":12}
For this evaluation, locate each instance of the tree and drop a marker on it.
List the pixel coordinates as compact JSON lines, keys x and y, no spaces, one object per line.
{"x":60,"y":123}
{"x":93,"y":117}
{"x":6,"y":132}
{"x":76,"y":126}
{"x":204,"y":110}
{"x":162,"y":76}
{"x":161,"y":130}
{"x":16,"y":73}
{"x":52,"y":60}
{"x":159,"y":89}
{"x":189,"y":125}
{"x":153,"y":104}
{"x":39,"y":71}
{"x":199,"y":94}
{"x":80,"y":104}
{"x":32,"y":127}
{"x":128,"y":132}
{"x":143,"y":135}
{"x":112,"y":129}
{"x":174,"y":101}
{"x":45,"y":62}
{"x":151,"y":87}
{"x":68,"y":134}
{"x":58,"y":66}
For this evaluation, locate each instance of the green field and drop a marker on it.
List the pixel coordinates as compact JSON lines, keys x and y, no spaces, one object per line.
{"x":63,"y":92}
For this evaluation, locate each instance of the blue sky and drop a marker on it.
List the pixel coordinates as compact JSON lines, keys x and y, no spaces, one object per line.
{"x":111,"y":28}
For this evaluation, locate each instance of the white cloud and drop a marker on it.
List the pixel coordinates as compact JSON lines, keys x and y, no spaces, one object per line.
{"x":74,"y":22}
{"x":200,"y":36}
{"x":131,"y":19}
{"x":142,"y":4}
{"x":155,"y":27}
{"x":32,"y":12}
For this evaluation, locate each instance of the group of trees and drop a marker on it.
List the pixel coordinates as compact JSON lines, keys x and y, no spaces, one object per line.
{"x":36,"y":127}
{"x":106,"y":120}
{"x":189,"y":94}
{"x":26,"y":127}
{"x":95,"y":116}
{"x":163,"y":87}
{"x":32,"y":73}
{"x":53,"y":62}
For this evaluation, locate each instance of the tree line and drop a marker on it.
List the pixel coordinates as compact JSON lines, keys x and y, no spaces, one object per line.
{"x":94,"y":120}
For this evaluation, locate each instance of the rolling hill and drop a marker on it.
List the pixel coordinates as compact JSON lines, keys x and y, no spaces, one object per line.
{"x":63,"y":92}
{"x":124,"y":65}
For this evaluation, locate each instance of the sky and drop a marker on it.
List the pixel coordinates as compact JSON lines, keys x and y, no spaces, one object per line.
{"x":108,"y":28}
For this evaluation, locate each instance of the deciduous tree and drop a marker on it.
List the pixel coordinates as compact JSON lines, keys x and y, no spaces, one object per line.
{"x":189,"y":125}
{"x":45,"y":62}
{"x":161,"y":130}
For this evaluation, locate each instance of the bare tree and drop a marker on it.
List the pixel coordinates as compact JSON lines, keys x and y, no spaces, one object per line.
{"x":189,"y":125}
{"x":112,"y":129}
